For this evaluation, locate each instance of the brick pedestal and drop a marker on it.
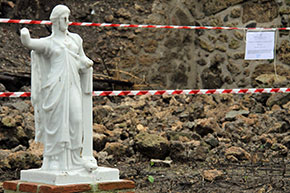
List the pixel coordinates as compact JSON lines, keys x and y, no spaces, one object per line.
{"x":121,"y":186}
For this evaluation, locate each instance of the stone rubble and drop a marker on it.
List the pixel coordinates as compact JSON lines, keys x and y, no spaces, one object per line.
{"x":181,"y":127}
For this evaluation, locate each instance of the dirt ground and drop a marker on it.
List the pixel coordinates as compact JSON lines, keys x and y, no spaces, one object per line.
{"x":194,"y":161}
{"x":186,"y":177}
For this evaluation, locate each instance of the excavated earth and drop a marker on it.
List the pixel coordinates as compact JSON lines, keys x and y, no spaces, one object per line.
{"x":201,"y":143}
{"x":205,"y":143}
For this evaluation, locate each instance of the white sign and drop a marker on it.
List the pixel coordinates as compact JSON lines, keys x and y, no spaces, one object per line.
{"x":260,"y":45}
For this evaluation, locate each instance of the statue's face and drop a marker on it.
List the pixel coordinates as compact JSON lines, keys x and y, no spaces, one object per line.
{"x":63,"y":22}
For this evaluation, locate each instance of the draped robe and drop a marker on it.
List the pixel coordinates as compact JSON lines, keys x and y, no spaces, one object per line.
{"x":60,"y":78}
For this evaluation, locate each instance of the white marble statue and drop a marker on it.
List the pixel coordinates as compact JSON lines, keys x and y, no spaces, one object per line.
{"x":61,"y":88}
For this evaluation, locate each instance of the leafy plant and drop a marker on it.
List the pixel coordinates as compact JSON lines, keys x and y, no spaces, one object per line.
{"x":151,"y":179}
{"x":246,"y":178}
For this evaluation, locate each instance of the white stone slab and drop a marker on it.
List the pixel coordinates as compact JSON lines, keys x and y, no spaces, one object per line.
{"x":101,"y":174}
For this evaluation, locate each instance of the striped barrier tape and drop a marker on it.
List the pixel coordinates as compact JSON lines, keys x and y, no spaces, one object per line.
{"x":45,"y":22}
{"x":152,"y":92}
{"x":169,"y":92}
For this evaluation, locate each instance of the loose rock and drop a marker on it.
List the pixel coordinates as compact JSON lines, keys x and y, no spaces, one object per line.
{"x":237,"y":153}
{"x":212,"y":175}
{"x":152,"y":145}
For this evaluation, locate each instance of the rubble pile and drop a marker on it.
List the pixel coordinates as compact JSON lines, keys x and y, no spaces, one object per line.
{"x":210,"y":130}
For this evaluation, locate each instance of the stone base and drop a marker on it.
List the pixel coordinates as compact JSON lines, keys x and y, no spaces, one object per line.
{"x":124,"y":186}
{"x":101,"y":174}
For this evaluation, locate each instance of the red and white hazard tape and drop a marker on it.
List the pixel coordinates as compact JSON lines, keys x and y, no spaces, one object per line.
{"x":169,"y":92}
{"x":14,"y":94}
{"x":27,"y":21}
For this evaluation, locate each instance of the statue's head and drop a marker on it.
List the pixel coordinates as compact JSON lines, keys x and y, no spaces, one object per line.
{"x":60,"y":17}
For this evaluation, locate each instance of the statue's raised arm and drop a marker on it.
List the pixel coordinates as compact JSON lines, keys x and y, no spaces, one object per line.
{"x":32,"y":44}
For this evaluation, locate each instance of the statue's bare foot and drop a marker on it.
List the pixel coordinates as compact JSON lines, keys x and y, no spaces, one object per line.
{"x":90,"y":166}
{"x":54,"y":164}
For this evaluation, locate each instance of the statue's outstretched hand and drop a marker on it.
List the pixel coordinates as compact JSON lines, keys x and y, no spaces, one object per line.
{"x":24,"y":32}
{"x":25,"y":36}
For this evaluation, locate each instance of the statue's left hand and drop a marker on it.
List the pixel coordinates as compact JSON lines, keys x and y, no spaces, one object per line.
{"x":86,"y":62}
{"x":90,"y":63}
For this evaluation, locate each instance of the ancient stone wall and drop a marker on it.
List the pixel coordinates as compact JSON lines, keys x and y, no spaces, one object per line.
{"x":162,"y":58}
{"x":210,"y":58}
